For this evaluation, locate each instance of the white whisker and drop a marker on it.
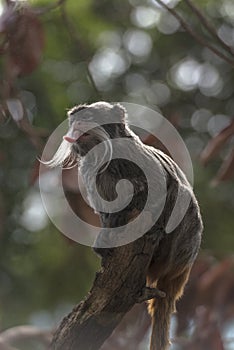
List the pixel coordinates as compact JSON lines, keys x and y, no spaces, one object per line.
{"x":68,"y":158}
{"x":63,"y":156}
{"x":104,"y":136}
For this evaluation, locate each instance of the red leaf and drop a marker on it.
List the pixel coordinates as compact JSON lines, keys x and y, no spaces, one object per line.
{"x":226,"y":171}
{"x":209,"y":278}
{"x":25,"y":40}
{"x":216,"y":143}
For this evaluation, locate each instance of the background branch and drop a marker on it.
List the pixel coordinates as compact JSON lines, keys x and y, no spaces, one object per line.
{"x":84,"y":54}
{"x":196,"y":36}
{"x":210,"y":28}
{"x":25,"y":333}
{"x":50,"y":7}
{"x":4,"y":346}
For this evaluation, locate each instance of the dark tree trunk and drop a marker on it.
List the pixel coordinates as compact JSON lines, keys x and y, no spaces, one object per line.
{"x":117,"y":287}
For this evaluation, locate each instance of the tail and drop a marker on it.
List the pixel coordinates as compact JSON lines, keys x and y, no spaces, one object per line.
{"x":162,"y":309}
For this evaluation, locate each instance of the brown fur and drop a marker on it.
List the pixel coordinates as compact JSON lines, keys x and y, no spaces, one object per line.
{"x":161,"y":310}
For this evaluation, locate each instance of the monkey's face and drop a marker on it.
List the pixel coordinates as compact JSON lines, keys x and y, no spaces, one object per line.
{"x":90,"y":125}
{"x":84,"y":135}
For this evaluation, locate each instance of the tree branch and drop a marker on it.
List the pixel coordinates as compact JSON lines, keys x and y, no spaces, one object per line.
{"x":117,"y":287}
{"x":208,"y":26}
{"x":50,"y":7}
{"x":84,"y":54}
{"x":196,"y":36}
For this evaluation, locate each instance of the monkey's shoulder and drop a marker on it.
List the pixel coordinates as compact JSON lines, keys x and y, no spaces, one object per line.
{"x":171,"y":168}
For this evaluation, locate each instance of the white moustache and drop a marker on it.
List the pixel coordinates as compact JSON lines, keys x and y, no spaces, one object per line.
{"x":64,"y":155}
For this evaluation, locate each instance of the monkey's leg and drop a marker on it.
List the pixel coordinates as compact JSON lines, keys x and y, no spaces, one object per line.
{"x":162,"y":309}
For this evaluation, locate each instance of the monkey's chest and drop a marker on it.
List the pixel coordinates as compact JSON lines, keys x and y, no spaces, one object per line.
{"x":115,"y":189}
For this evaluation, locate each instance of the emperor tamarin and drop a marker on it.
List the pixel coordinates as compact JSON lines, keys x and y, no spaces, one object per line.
{"x":100,"y":124}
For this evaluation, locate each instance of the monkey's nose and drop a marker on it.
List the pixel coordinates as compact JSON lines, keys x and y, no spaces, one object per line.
{"x":72,"y":135}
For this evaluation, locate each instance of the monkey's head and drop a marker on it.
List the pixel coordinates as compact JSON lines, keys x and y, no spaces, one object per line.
{"x":90,"y":125}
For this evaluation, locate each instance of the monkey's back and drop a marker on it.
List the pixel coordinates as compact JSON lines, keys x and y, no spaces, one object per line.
{"x":178,"y":227}
{"x":182,"y":228}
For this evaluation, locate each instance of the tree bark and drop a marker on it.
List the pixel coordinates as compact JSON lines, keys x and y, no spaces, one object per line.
{"x":119,"y":284}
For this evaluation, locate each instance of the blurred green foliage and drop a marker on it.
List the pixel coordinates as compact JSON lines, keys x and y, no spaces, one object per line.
{"x":137,"y":53}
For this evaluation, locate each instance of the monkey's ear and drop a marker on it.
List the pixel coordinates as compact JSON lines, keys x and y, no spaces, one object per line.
{"x":120,"y":112}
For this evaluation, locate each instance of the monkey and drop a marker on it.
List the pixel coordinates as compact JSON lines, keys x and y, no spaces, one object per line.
{"x":100,"y":124}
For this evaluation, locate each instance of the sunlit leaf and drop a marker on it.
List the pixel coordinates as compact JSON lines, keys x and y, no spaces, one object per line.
{"x":15,"y":108}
